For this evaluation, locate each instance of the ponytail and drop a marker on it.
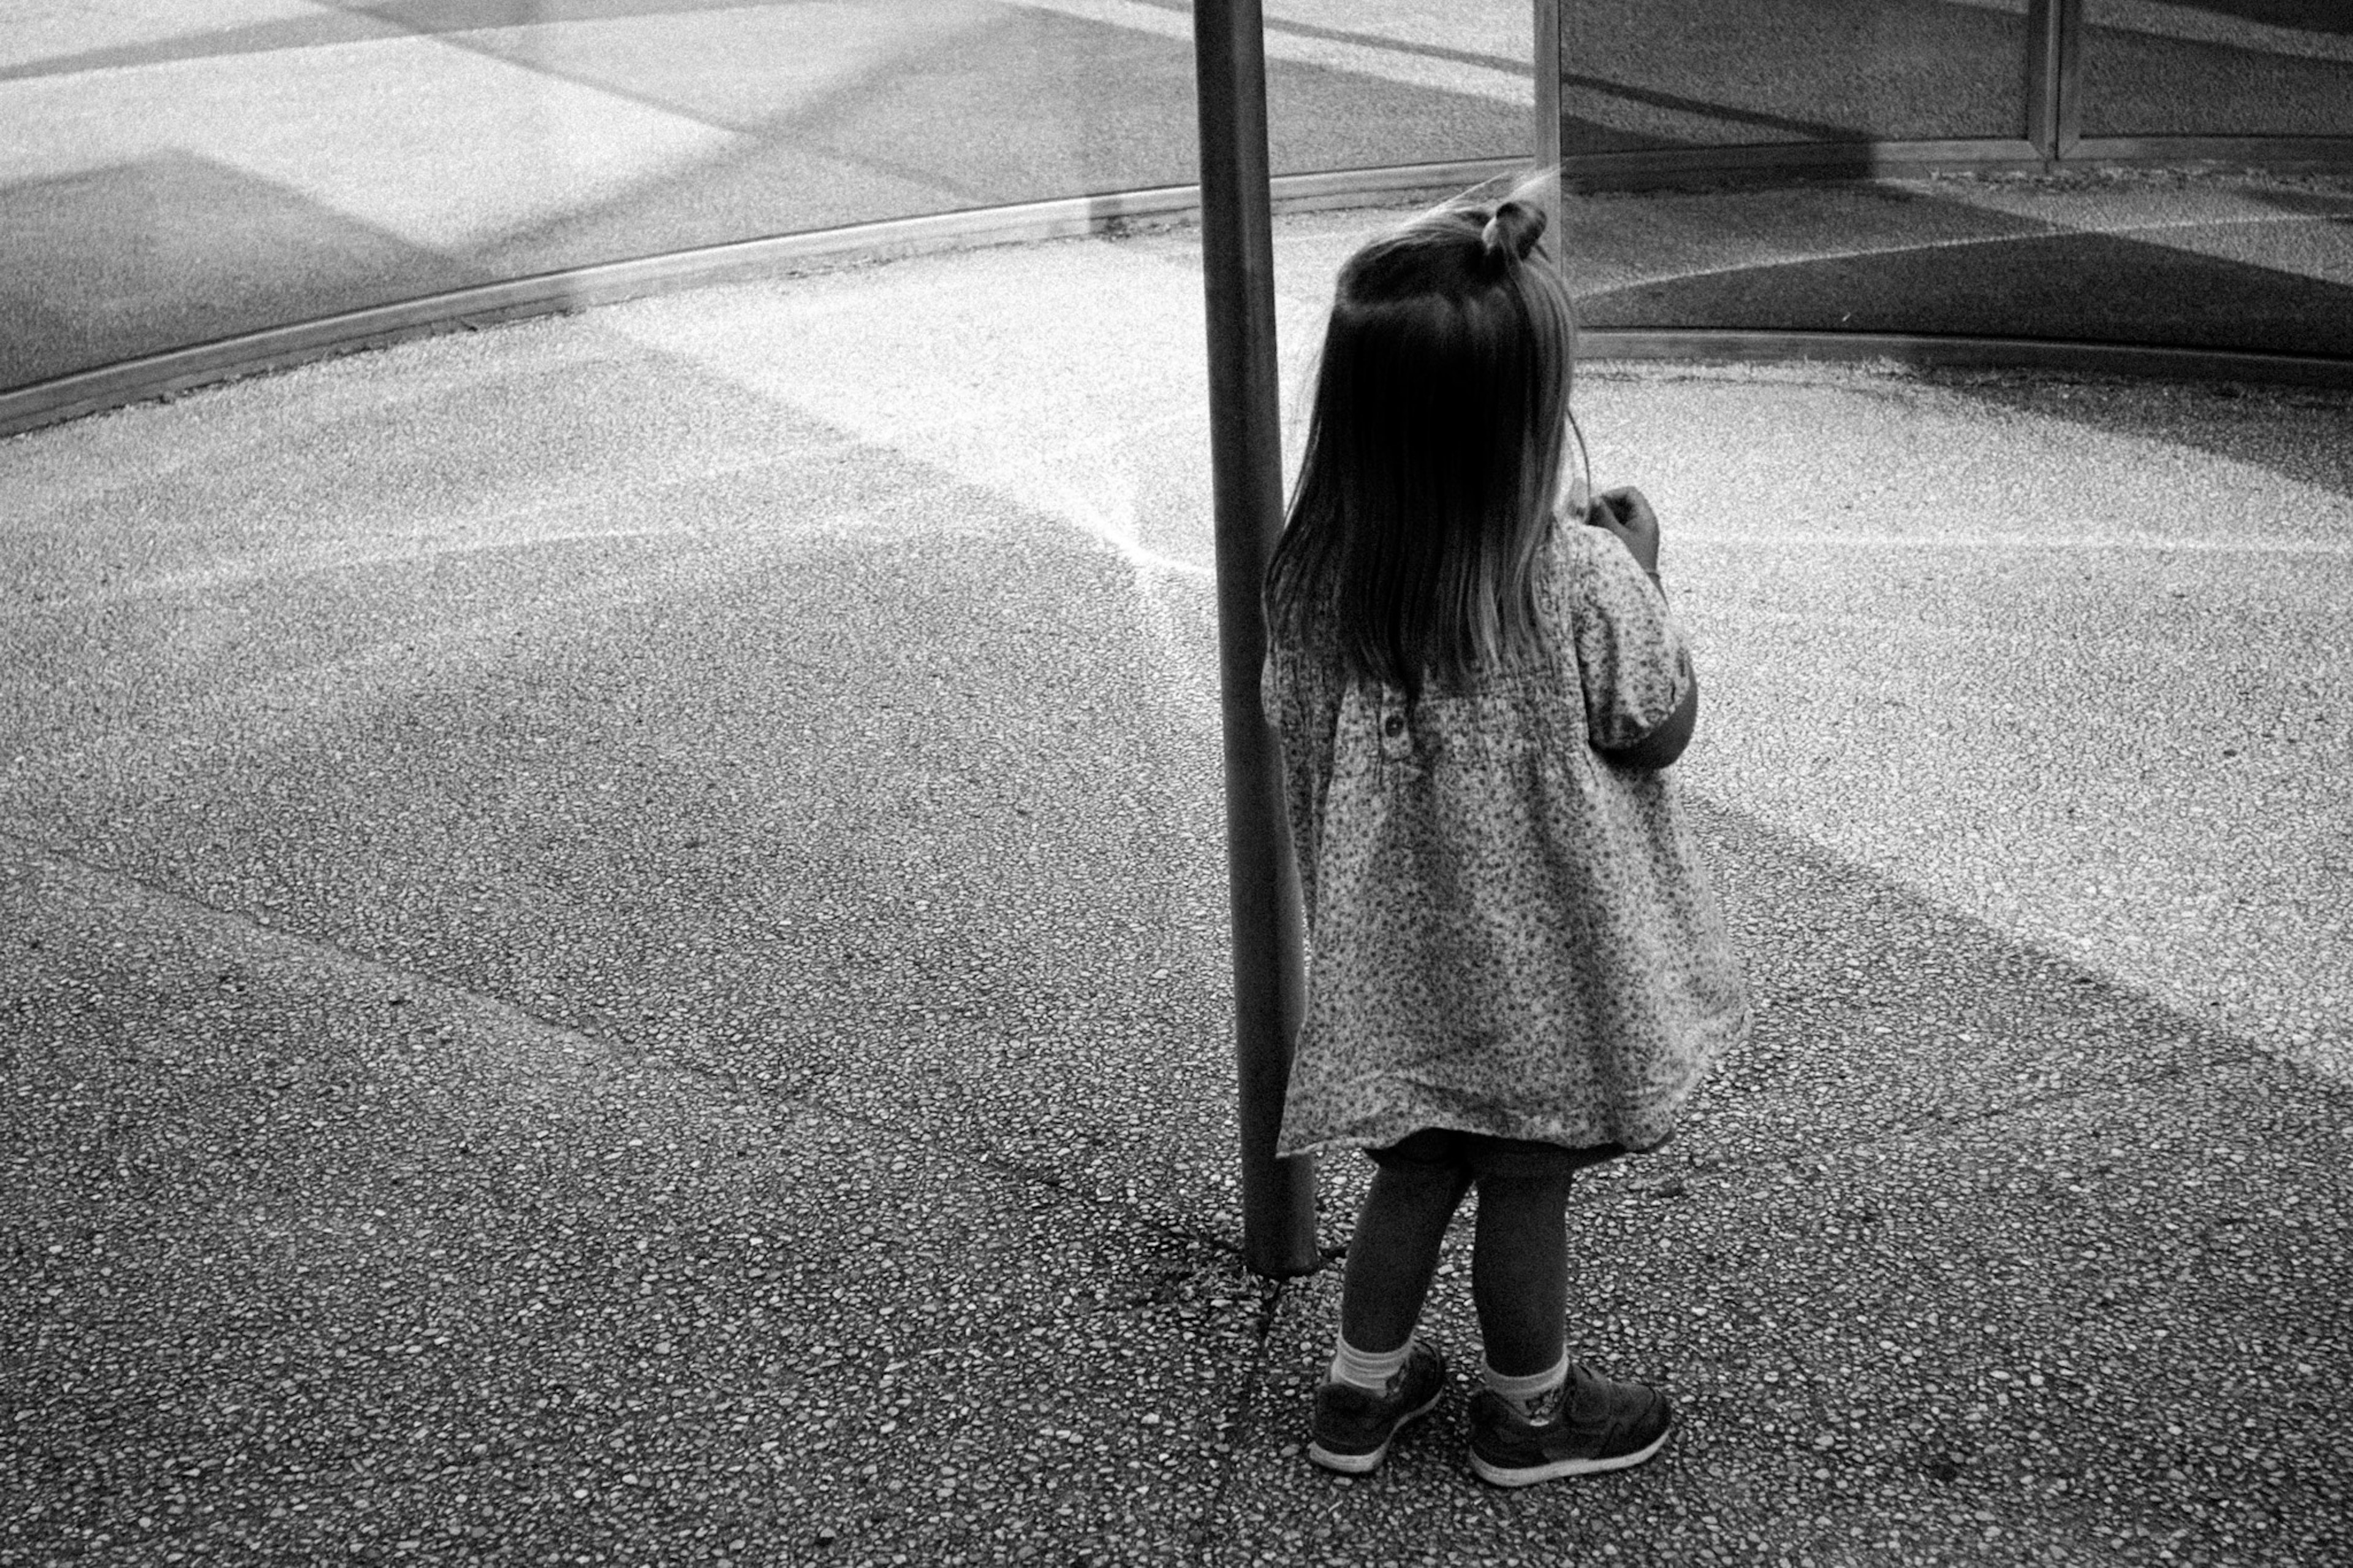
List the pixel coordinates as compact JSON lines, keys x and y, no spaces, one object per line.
{"x":1512,"y":232}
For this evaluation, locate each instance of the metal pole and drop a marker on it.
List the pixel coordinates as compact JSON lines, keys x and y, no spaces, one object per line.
{"x":1246,"y":465}
{"x":1545,"y":134}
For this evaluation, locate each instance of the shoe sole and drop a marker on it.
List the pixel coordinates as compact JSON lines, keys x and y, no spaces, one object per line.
{"x":1501,"y":1476}
{"x":1365,"y":1464}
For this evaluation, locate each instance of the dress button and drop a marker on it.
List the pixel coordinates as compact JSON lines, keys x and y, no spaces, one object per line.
{"x":1393,"y":726}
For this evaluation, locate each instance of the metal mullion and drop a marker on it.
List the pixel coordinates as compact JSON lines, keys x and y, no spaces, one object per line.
{"x":2043,"y":77}
{"x":2054,"y":69}
{"x":1545,"y":131}
{"x":2067,"y":78}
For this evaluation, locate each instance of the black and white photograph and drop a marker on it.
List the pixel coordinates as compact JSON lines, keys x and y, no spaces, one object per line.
{"x":1222,"y":784}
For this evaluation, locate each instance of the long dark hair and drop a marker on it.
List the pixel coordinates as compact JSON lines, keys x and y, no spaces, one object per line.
{"x":1433,"y":451}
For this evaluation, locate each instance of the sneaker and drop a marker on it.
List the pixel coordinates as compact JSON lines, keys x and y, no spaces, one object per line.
{"x":1588,"y":1424}
{"x":1353,"y":1428}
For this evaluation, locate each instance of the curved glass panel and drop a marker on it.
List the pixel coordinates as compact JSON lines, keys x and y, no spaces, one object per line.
{"x":2218,"y":68}
{"x":179,"y":171}
{"x":1655,"y":74}
{"x":1445,"y":82}
{"x":2223,"y":260}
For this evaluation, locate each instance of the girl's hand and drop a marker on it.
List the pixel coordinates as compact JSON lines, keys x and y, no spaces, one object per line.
{"x":1626,"y":513}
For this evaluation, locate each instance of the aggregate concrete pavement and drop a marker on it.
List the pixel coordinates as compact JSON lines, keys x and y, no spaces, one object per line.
{"x":380,"y":1268}
{"x":613,"y":952}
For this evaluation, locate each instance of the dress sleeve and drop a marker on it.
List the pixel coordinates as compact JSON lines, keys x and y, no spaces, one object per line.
{"x":1631,"y":656}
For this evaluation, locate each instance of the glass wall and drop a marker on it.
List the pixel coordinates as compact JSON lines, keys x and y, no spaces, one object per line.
{"x":2217,"y":68}
{"x":180,"y":172}
{"x":1699,"y":73}
{"x":2074,"y":171}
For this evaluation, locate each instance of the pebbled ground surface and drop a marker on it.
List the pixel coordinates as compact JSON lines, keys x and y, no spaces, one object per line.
{"x":611,"y":949}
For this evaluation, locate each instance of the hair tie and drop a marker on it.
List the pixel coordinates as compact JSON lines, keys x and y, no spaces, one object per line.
{"x":1513,"y":231}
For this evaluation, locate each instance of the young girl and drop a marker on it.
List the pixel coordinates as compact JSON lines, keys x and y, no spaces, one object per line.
{"x":1518,"y":968}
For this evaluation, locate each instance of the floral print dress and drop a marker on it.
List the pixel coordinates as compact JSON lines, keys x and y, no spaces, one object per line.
{"x":1510,"y":935}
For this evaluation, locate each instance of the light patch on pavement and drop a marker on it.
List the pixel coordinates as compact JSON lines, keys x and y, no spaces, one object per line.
{"x":2082,"y":684}
{"x":413,"y":136}
{"x":1067,"y":379}
{"x":1383,"y":62}
{"x":1049,"y":376}
{"x":742,"y":66}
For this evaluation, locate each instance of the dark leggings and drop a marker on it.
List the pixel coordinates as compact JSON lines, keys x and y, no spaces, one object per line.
{"x":1519,"y":1260}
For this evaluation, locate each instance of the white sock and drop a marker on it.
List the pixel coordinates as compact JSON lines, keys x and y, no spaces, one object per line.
{"x":1367,"y":1370}
{"x":1528,"y":1391}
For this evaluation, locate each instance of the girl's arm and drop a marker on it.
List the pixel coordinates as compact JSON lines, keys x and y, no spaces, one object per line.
{"x":1642,"y":697}
{"x":1627,"y":514}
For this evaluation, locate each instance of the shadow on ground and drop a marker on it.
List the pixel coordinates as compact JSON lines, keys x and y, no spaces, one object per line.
{"x":593,"y":1107}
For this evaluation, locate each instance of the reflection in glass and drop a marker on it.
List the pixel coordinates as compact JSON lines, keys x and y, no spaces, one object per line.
{"x":1656,"y":74}
{"x":2218,"y":68}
